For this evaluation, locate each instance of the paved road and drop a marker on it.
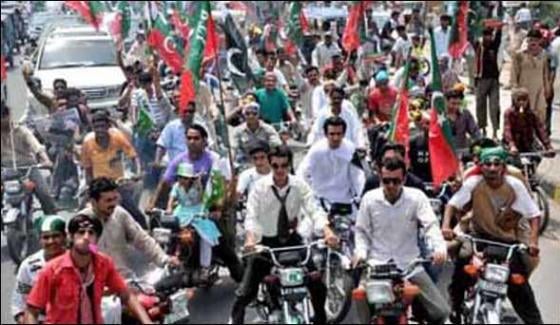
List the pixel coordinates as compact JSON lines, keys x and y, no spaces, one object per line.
{"x":213,"y":306}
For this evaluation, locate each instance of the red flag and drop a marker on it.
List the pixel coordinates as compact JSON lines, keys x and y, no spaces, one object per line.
{"x":458,"y":42}
{"x":161,"y":39}
{"x":181,"y":26}
{"x":188,"y":93}
{"x":3,"y":71}
{"x":212,"y":44}
{"x":443,"y":161}
{"x":91,"y":11}
{"x":351,"y":36}
{"x":400,"y":131}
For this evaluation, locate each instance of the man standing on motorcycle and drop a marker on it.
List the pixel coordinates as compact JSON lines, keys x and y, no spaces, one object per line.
{"x":70,"y":287}
{"x":387,"y":229}
{"x":52,"y":232}
{"x":102,"y":157}
{"x":22,"y":149}
{"x":332,"y":169}
{"x":273,"y":212}
{"x":501,"y":208}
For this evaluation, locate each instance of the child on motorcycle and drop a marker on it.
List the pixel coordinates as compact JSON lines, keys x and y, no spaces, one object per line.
{"x":187,"y":205}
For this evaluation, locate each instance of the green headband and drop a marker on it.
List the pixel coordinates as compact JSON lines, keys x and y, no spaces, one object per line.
{"x":489,"y":154}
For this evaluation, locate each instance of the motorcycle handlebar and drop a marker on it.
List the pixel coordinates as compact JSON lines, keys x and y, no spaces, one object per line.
{"x":266,"y":249}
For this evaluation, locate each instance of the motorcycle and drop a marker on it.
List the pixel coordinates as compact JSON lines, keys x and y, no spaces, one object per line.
{"x":163,"y":295}
{"x":283,"y":297}
{"x":388,"y":293}
{"x":337,"y":274}
{"x":182,"y":242}
{"x":17,"y":212}
{"x":490,"y":269}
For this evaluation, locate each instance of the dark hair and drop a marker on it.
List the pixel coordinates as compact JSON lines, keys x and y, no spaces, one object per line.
{"x":445,"y":17}
{"x":311,"y":68}
{"x":334,"y":121}
{"x":258,"y":146}
{"x":101,"y":185}
{"x":101,"y":115}
{"x":395,"y":13}
{"x":199,"y":128}
{"x":280,"y":152}
{"x":393,"y":146}
{"x":77,"y":221}
{"x":487,"y":32}
{"x":338,"y":90}
{"x":401,"y":28}
{"x":60,"y":80}
{"x":393,"y":164}
{"x":534,"y":33}
{"x":454,"y":93}
{"x":145,"y":77}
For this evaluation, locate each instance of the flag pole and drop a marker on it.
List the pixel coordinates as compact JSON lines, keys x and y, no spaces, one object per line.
{"x":223,"y":123}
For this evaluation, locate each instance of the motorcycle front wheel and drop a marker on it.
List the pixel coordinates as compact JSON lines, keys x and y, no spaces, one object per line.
{"x":339,"y":291}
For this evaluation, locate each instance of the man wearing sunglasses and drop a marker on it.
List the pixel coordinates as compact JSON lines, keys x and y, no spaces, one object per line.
{"x":274,"y":211}
{"x":387,"y":229}
{"x":331,"y":170}
{"x":502,"y":210}
{"x":259,"y":156}
{"x":251,"y":131}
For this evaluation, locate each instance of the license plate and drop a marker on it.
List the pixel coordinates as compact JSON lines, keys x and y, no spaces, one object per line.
{"x":499,"y":288}
{"x":179,"y":308}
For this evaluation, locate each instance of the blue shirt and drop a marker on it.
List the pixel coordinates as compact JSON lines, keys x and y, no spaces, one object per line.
{"x":173,"y":139}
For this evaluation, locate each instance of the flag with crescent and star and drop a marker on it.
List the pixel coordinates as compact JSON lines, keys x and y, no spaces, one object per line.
{"x":162,"y":39}
{"x":443,"y":160}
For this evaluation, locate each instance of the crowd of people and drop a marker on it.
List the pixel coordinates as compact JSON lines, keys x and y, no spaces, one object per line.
{"x":342,"y":105}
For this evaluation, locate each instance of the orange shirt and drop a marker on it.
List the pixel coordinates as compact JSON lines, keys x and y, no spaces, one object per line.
{"x":58,"y":287}
{"x":107,"y":162}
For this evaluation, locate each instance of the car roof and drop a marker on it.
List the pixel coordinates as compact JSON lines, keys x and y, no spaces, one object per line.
{"x":78,"y":32}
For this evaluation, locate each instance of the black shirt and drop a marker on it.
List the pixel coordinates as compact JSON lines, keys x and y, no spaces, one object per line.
{"x":420,"y":157}
{"x":489,"y":64}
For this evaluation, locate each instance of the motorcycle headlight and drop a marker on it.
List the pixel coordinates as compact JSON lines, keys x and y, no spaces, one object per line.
{"x":496,"y":273}
{"x":12,"y":187}
{"x":291,"y":277}
{"x":380,"y":292}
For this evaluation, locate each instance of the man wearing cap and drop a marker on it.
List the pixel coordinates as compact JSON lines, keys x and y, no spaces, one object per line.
{"x":324,"y":51}
{"x":502,"y":210}
{"x":52,"y":232}
{"x":70,"y":287}
{"x":253,"y":130}
{"x":381,"y":99}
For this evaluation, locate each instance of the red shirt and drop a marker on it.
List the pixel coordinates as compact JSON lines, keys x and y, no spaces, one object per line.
{"x":58,"y":286}
{"x":381,"y":103}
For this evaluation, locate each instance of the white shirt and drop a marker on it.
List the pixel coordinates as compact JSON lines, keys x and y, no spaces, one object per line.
{"x":523,"y":204}
{"x":322,"y":54}
{"x":387,"y":231}
{"x":247,"y":180}
{"x":402,"y":46}
{"x":263,"y":208}
{"x":331,"y":173}
{"x":25,"y":280}
{"x":523,"y":15}
{"x":442,"y":40}
{"x":354,"y":128}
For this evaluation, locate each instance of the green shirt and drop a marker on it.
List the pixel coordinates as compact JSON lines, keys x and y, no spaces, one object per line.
{"x":274,"y":105}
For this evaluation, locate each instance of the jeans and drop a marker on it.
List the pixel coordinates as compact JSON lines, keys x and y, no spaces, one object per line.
{"x":42,"y":193}
{"x":431,"y":300}
{"x":257,"y":269}
{"x":226,"y":253}
{"x":146,"y":150}
{"x":521,"y":296}
{"x":488,"y":88}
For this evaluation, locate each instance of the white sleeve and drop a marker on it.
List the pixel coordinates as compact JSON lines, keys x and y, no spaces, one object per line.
{"x":524,"y":203}
{"x":429,"y":222}
{"x":358,"y":179}
{"x":252,"y":223}
{"x":23,"y":286}
{"x":464,"y":195}
{"x":363,"y":230}
{"x":243,"y":182}
{"x":303,"y":171}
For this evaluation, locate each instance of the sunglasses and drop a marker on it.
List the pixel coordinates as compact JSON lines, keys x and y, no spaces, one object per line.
{"x":390,"y":180}
{"x":194,"y":138}
{"x":278,"y":166}
{"x":190,"y":111}
{"x":250,"y":113}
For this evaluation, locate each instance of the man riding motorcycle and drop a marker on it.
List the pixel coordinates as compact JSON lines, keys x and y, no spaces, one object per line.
{"x":502,"y":210}
{"x":273,"y":213}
